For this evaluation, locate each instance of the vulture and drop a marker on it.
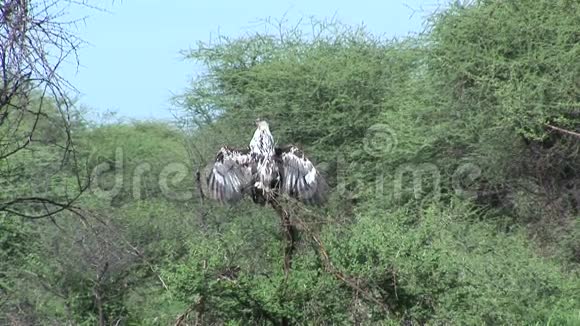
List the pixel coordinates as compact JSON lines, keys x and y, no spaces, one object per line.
{"x":264,"y":172}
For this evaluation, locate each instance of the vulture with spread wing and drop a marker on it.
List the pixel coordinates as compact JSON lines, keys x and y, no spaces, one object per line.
{"x":264,"y":172}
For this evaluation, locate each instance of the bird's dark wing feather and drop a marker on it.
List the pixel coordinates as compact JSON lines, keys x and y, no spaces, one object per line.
{"x":231,"y":175}
{"x":299,"y":177}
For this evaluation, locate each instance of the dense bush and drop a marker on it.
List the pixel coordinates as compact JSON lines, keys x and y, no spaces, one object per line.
{"x":453,"y":159}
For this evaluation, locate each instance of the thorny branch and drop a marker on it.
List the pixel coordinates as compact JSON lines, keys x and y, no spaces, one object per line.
{"x":101,"y":247}
{"x":330,"y":268}
{"x":50,"y":207}
{"x":35,"y":40}
{"x":291,"y":233}
{"x":84,"y":213}
{"x":562,"y":130}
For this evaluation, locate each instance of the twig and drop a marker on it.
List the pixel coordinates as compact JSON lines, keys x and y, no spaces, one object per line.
{"x":181,"y":318}
{"x":290,"y":234}
{"x":81,"y":213}
{"x":202,"y":209}
{"x":329,"y":266}
{"x":35,"y":41}
{"x":572,"y":133}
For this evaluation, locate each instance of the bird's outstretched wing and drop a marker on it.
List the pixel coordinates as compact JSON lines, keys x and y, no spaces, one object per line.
{"x":231,"y":175}
{"x":299,"y":178}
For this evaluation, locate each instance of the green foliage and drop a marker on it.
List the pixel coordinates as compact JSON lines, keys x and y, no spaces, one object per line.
{"x":505,"y":74}
{"x":126,"y":167}
{"x":44,"y":167}
{"x":464,"y":111}
{"x":439,"y":265}
{"x":433,"y":265}
{"x":509,"y":64}
{"x":290,"y":80}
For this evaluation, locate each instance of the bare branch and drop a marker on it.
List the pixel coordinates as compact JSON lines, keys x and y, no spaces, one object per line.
{"x":568,"y":132}
{"x":36,"y":38}
{"x":57,"y":207}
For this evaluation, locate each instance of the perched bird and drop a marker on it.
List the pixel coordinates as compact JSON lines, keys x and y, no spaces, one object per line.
{"x":264,"y":171}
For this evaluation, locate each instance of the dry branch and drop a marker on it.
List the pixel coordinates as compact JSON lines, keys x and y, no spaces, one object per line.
{"x":290,"y":235}
{"x":35,"y":41}
{"x":562,"y":130}
{"x":330,"y":268}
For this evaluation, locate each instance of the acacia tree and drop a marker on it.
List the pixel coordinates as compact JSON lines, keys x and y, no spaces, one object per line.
{"x":35,"y":40}
{"x":37,"y":152}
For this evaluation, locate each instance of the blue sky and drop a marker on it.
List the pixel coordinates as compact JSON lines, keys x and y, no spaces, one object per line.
{"x":132,"y":62}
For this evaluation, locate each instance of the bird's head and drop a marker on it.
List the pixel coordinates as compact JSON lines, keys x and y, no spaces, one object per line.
{"x":261,"y":124}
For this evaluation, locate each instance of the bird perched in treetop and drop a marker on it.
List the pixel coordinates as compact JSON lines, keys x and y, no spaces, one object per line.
{"x":265,"y":171}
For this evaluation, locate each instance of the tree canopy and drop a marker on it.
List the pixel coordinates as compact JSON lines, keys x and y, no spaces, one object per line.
{"x":452,"y":157}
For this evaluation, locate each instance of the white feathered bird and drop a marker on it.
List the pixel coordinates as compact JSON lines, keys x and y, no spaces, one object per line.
{"x":265,"y":171}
